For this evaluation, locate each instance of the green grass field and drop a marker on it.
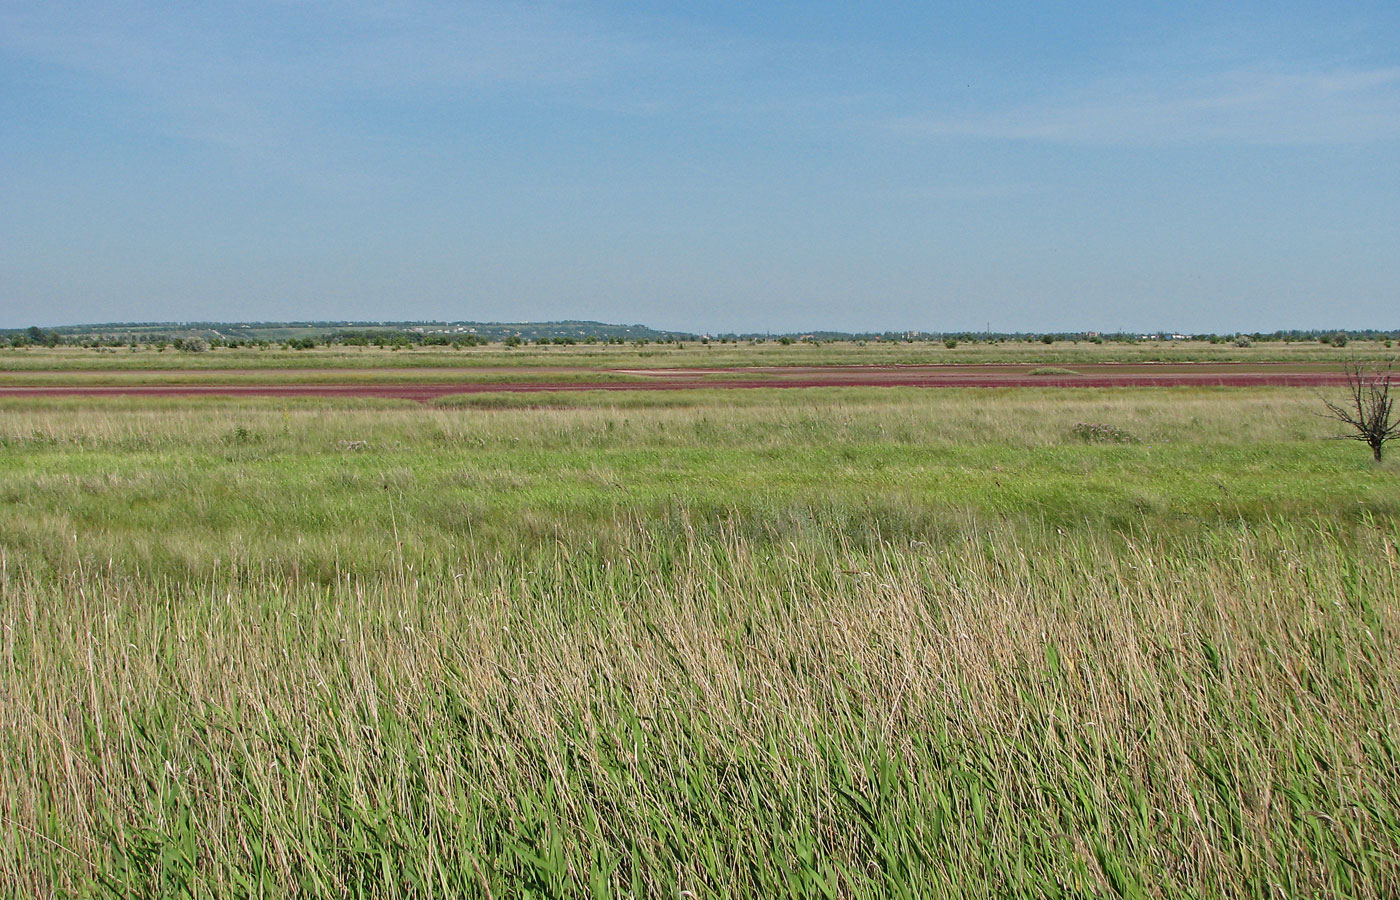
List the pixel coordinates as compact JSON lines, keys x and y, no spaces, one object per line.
{"x":805,"y":643}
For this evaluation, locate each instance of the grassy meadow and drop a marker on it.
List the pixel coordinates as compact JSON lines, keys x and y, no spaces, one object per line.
{"x":803,"y":643}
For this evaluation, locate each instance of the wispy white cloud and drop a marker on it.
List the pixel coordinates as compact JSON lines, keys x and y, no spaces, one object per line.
{"x":285,"y":84}
{"x":1261,"y":107}
{"x":297,"y":86}
{"x":314,"y":46}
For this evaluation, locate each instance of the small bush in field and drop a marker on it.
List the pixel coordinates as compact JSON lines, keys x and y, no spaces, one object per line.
{"x":1098,"y":433}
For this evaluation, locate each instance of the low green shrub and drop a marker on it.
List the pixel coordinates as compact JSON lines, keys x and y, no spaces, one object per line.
{"x":1099,"y":433}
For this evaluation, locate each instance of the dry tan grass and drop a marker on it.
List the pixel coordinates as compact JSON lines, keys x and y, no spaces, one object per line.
{"x":301,"y":696}
{"x":1068,"y":678}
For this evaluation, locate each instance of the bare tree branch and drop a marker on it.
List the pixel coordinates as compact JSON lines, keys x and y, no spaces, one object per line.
{"x":1369,"y":409}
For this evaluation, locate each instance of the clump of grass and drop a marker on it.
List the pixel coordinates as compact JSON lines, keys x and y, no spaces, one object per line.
{"x":1051,"y":370}
{"x":242,"y":434}
{"x":1099,"y":433}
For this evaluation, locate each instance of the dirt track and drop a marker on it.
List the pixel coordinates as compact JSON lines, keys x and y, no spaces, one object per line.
{"x":1087,"y":375}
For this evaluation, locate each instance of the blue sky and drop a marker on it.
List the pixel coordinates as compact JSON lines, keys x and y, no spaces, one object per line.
{"x":708,"y":166}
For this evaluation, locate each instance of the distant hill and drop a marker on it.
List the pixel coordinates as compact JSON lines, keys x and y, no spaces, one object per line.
{"x":567,"y":331}
{"x":282,"y":331}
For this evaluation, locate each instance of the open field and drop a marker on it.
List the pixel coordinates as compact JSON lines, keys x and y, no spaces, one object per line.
{"x":845,"y":641}
{"x":692,"y":355}
{"x":437,"y":382}
{"x":430,"y":374}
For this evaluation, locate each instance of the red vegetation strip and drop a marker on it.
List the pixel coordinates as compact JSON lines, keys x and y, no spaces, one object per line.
{"x":945,"y":377}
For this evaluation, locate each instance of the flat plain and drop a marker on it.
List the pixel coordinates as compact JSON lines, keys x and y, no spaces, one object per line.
{"x":430,"y":373}
{"x":841,"y":641}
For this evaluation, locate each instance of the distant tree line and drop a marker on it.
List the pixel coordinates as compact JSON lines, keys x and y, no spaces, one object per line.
{"x":306,"y":335}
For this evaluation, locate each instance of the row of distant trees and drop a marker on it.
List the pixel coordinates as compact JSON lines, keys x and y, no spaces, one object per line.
{"x":34,"y":336}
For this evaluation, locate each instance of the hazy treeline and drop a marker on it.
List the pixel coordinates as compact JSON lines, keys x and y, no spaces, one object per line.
{"x":305,"y":335}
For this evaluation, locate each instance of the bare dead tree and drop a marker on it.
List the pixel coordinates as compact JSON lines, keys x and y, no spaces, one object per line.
{"x":1369,"y":409}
